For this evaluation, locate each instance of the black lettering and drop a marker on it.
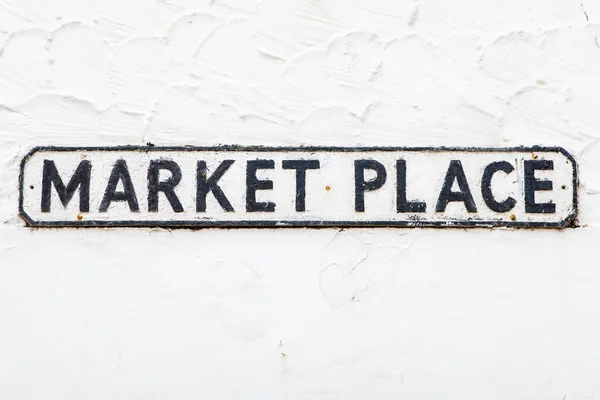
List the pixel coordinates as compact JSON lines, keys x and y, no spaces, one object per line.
{"x":120,"y":173}
{"x":455,"y":172}
{"x":301,"y":166}
{"x":167,"y":187}
{"x":486,"y":187}
{"x":403,"y":205}
{"x":361,"y":186}
{"x":80,"y":179}
{"x":253,"y":184}
{"x":533,"y":185}
{"x":205,"y":185}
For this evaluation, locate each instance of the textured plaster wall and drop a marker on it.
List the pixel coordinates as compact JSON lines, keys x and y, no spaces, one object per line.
{"x":300,"y":314}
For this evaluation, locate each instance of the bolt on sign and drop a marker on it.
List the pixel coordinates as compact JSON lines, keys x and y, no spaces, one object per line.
{"x":298,"y":187}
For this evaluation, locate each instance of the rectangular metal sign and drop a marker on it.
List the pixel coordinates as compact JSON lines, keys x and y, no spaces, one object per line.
{"x":298,"y":187}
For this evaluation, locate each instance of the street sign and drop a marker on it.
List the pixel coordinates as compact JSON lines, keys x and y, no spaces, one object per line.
{"x":298,"y":187}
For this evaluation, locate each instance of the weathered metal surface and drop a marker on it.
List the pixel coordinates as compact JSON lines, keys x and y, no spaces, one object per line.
{"x":298,"y":187}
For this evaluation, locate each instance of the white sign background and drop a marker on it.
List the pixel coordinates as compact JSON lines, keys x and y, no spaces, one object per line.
{"x":330,"y":190}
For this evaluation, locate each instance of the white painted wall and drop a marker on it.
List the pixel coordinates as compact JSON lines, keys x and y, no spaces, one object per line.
{"x":300,"y":314}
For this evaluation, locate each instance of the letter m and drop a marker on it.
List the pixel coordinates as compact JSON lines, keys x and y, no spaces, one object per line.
{"x":80,"y":179}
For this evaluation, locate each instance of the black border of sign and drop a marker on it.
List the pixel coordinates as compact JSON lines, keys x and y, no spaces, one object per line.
{"x":300,"y":224}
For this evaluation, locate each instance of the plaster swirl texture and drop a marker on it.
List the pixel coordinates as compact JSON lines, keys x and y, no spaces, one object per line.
{"x":354,"y":314}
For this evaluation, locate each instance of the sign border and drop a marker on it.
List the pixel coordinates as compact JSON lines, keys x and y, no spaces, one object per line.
{"x":198,"y":224}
